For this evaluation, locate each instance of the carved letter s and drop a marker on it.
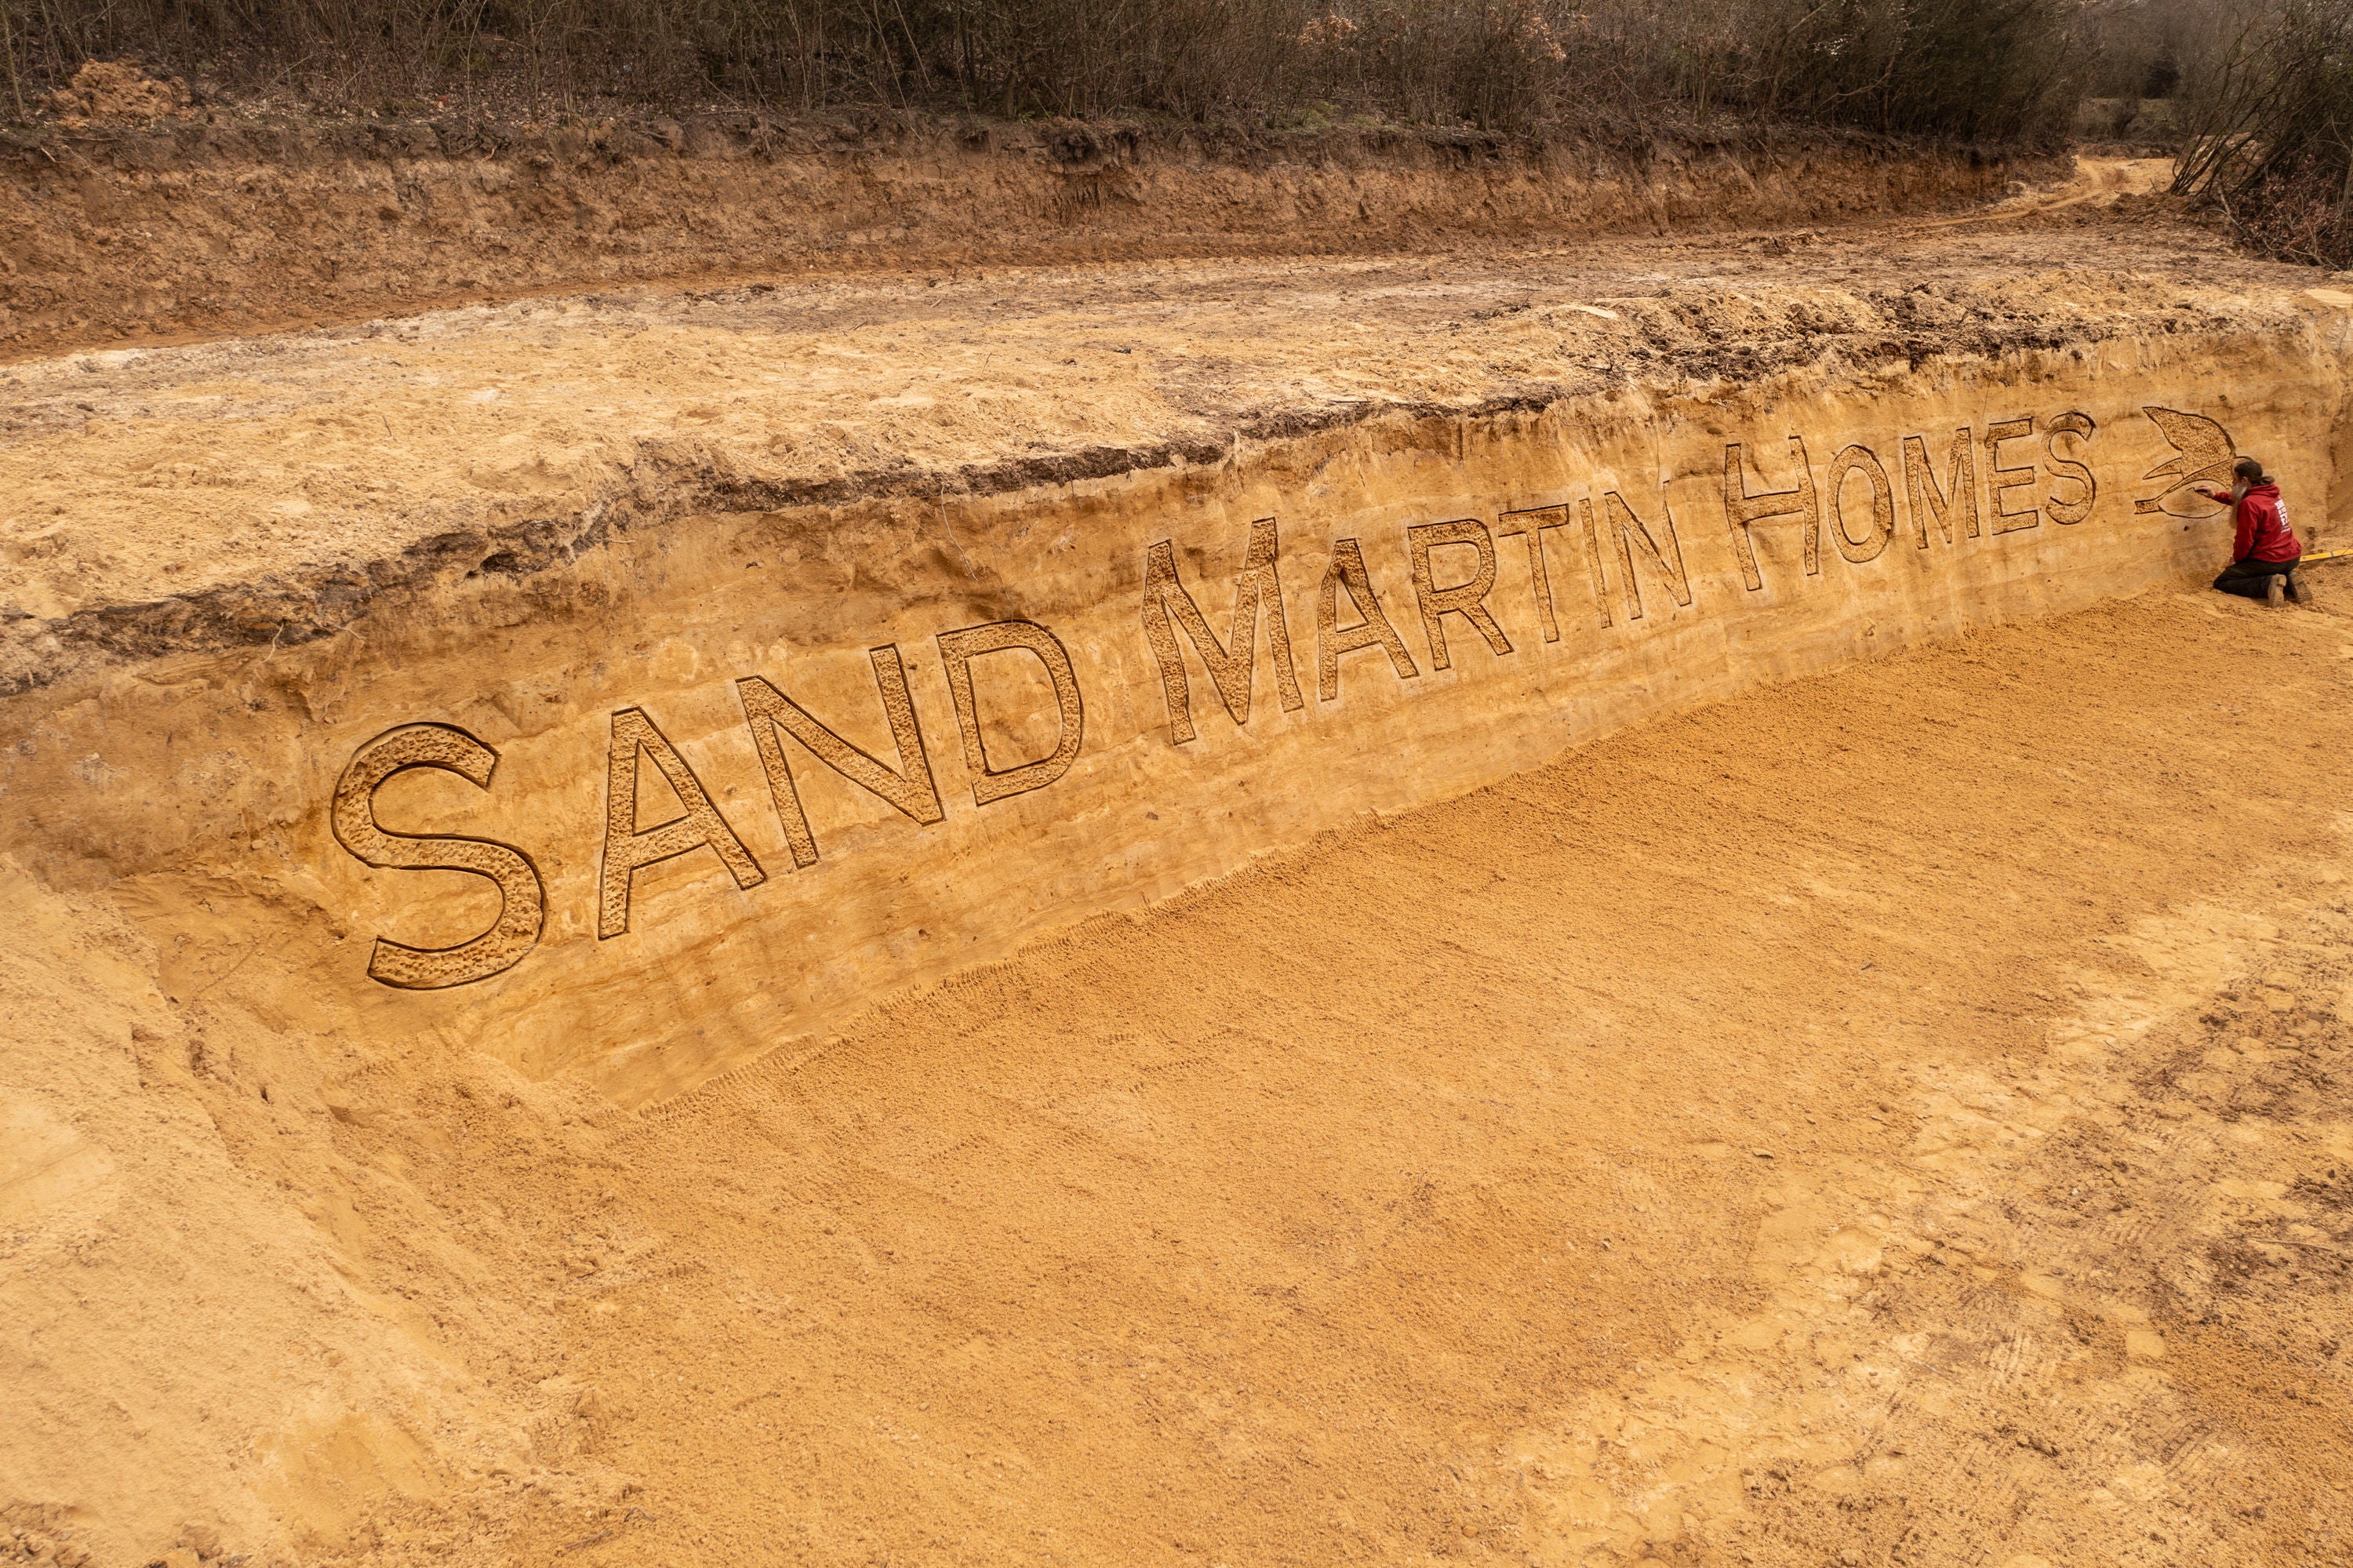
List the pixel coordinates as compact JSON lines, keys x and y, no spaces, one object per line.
{"x":522,"y":907}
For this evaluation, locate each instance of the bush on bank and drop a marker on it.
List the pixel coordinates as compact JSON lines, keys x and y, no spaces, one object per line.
{"x":2009,"y":70}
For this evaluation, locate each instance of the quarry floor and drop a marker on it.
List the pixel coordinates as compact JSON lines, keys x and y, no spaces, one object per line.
{"x":1900,"y":1117}
{"x":1894,"y":1118}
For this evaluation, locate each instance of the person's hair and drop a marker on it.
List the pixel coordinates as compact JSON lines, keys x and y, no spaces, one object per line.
{"x":2249,"y":470}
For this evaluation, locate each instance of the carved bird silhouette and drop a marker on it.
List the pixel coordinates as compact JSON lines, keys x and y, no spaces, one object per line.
{"x":2203,"y":453}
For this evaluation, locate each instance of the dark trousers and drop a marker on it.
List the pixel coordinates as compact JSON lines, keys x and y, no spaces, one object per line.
{"x":2252,"y":579}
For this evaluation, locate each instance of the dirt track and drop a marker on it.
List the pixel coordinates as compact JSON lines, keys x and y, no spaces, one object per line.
{"x":1895,"y":1117}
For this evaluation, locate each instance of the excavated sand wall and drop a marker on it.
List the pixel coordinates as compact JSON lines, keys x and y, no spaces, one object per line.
{"x":109,"y":235}
{"x":711,"y":787}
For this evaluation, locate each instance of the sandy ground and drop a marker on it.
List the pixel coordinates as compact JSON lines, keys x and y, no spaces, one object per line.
{"x":1898,"y":1118}
{"x":1895,"y":1119}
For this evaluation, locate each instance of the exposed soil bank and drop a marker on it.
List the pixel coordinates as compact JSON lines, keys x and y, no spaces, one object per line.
{"x":126,"y":235}
{"x":909,"y":733}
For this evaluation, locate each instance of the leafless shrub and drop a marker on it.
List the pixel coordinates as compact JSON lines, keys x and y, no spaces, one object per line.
{"x":1976,"y":69}
{"x":2269,"y":138}
{"x":1981,"y":69}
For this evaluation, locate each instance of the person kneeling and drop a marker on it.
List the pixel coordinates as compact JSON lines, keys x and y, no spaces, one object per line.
{"x":2266,"y":549}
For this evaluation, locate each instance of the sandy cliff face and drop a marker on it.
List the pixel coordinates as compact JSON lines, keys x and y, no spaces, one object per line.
{"x":646,"y":814}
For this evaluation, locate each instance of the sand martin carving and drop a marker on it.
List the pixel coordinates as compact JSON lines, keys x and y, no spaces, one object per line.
{"x":2203,"y":454}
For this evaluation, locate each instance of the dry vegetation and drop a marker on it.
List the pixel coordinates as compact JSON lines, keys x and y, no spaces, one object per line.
{"x":2009,"y":72}
{"x":2271,"y":137}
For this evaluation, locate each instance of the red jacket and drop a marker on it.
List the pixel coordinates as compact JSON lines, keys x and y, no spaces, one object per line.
{"x":2264,"y":534}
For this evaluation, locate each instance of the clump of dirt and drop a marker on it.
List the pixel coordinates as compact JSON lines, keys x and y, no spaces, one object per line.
{"x":118,"y":92}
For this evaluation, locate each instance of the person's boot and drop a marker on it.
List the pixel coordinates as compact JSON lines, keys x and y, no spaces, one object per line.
{"x":2275,"y":592}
